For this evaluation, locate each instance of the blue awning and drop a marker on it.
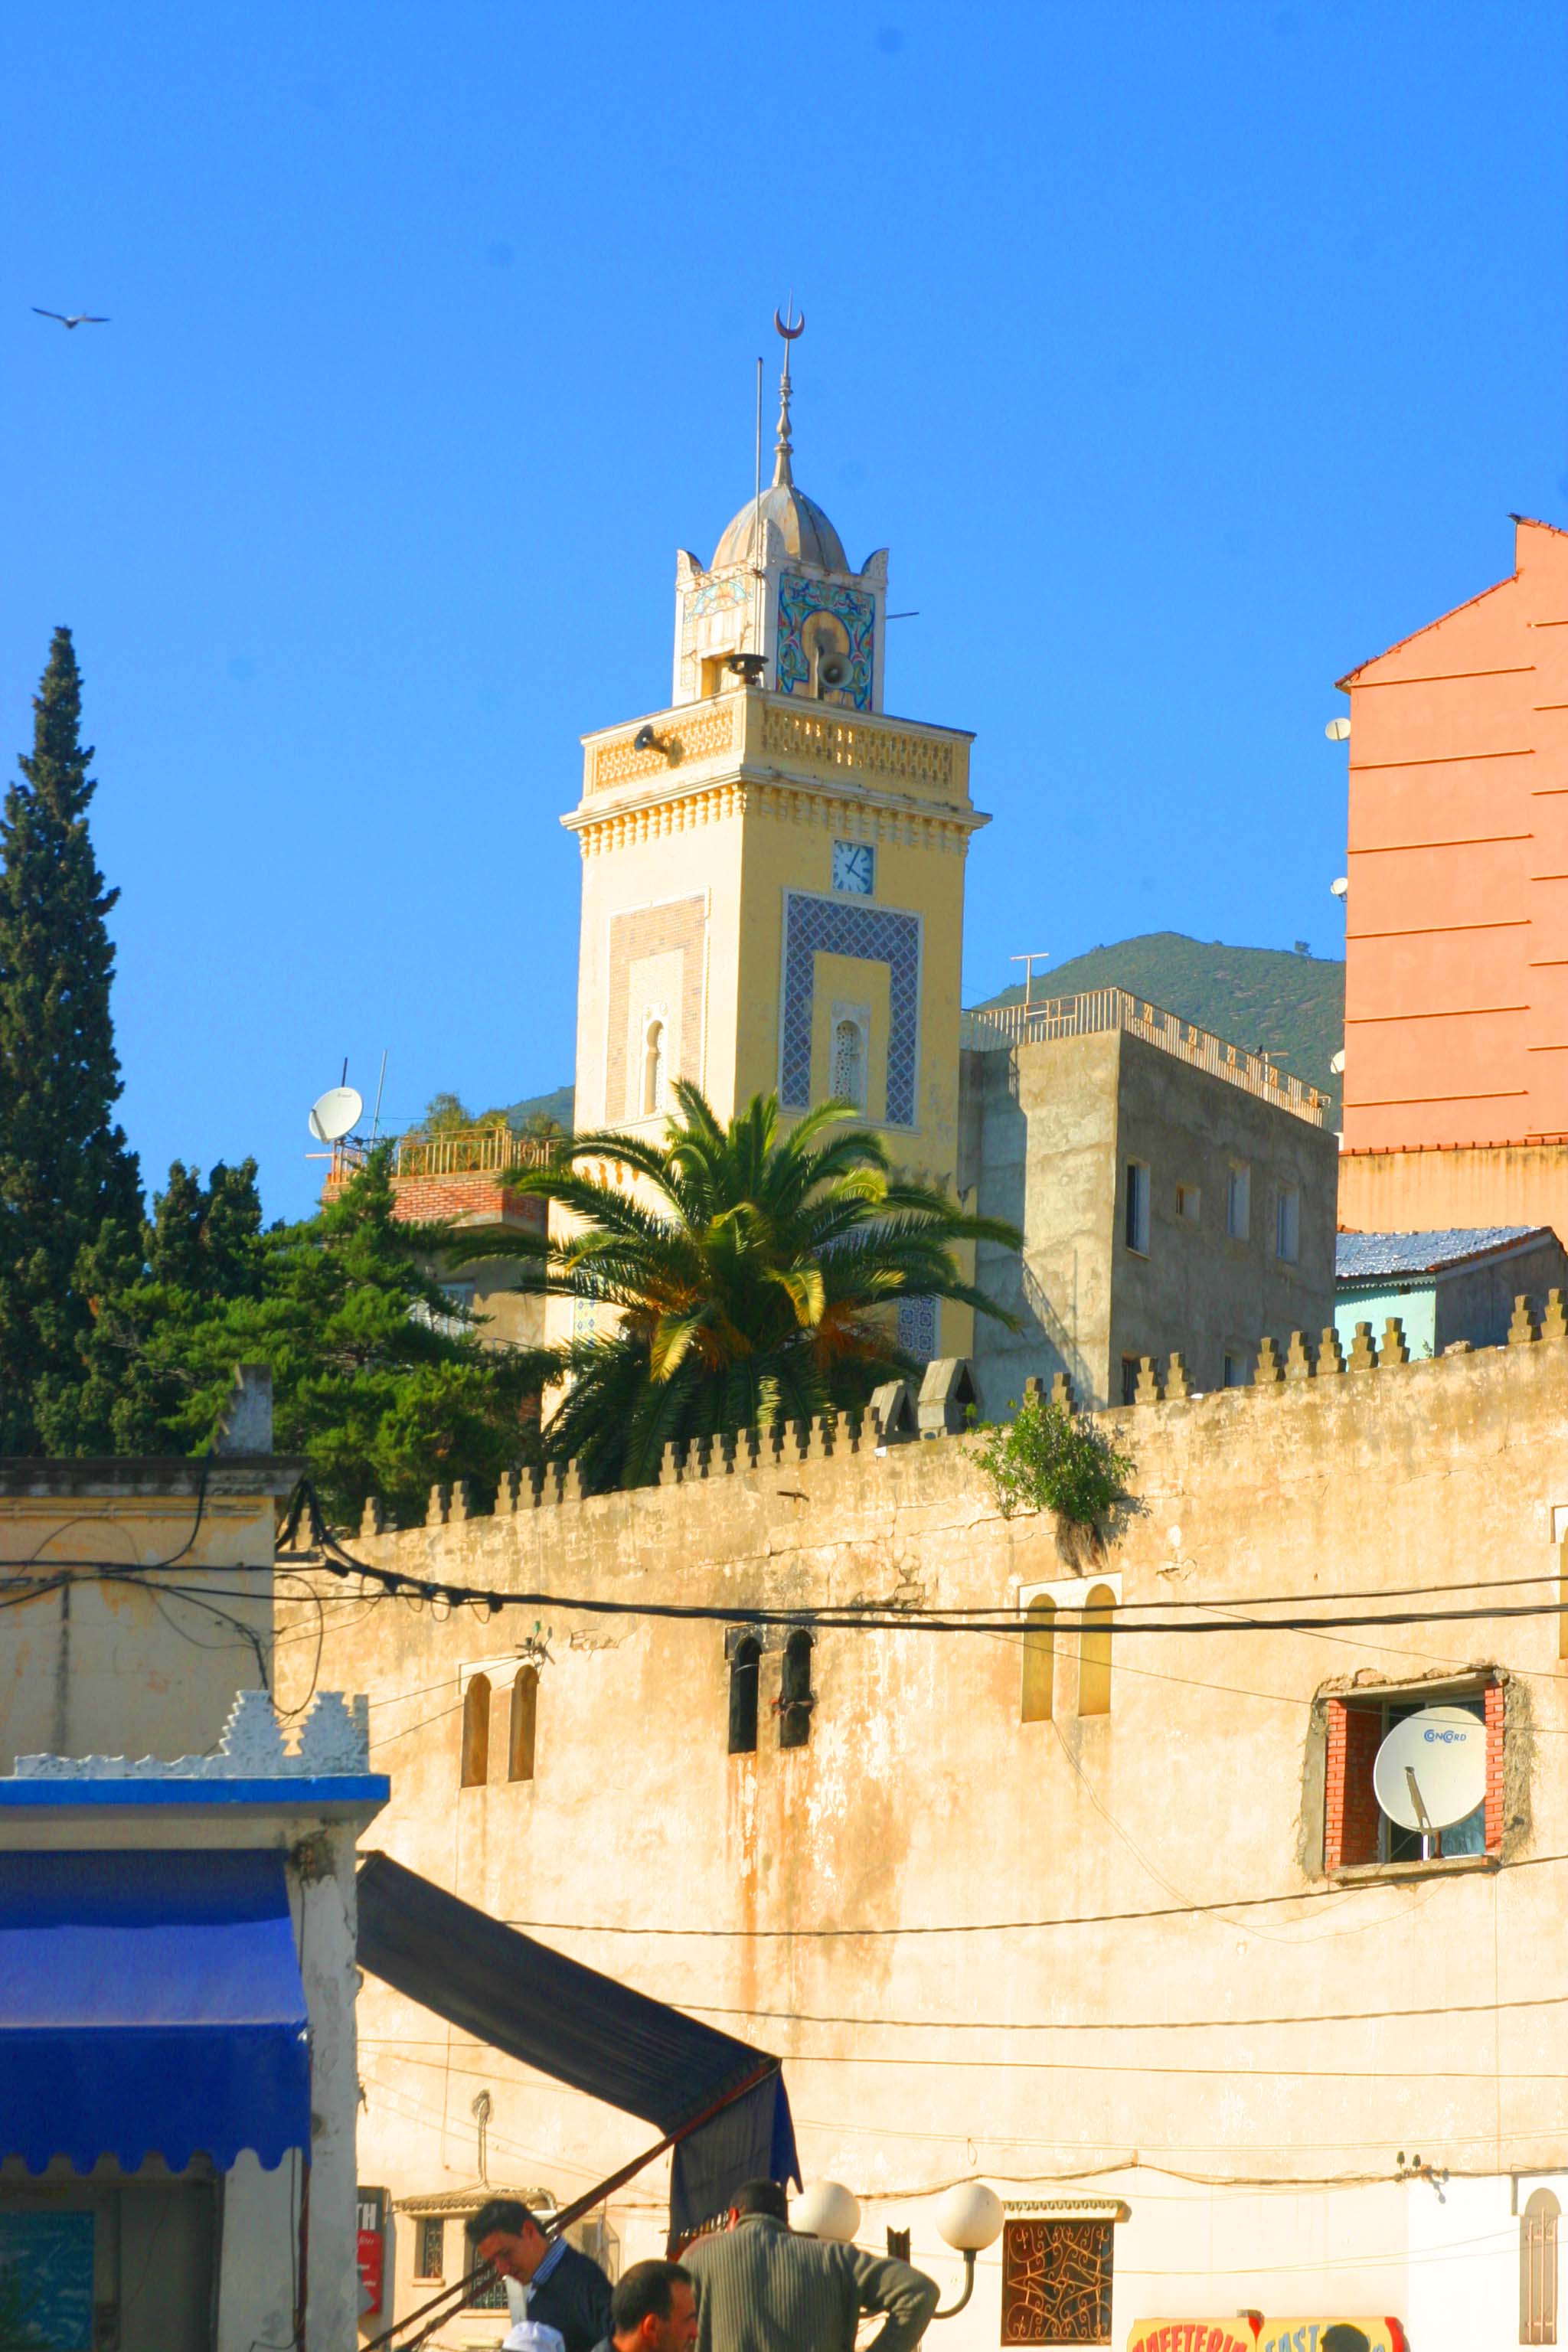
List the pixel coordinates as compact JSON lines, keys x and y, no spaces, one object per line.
{"x":150,"y":2005}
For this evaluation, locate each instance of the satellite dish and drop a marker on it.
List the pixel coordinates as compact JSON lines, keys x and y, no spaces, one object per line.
{"x":1431,"y":1770}
{"x":1339,"y":887}
{"x":1338,"y":730}
{"x":336,"y":1114}
{"x":1338,"y":1064}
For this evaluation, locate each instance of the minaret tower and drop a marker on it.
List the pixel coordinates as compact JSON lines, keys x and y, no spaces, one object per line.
{"x":773,"y":870}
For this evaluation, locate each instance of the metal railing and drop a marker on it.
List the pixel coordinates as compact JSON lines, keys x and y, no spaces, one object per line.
{"x":453,"y":1151}
{"x":992,"y":1027}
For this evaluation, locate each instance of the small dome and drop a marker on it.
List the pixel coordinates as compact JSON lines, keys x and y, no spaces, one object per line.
{"x":806,"y":530}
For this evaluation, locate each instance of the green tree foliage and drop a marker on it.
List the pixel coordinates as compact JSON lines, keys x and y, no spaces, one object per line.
{"x":69,"y":1192}
{"x":746,"y":1274}
{"x":377,"y":1381}
{"x":200,"y":1248}
{"x":1052,"y":1459}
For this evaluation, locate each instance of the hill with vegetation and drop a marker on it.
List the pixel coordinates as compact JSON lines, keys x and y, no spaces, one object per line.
{"x":1292,"y":1007}
{"x":556,"y":1108}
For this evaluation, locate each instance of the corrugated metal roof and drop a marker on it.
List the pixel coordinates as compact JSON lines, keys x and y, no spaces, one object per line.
{"x":1358,"y":1256}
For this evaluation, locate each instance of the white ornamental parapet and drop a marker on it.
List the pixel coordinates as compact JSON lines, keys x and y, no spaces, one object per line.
{"x":333,"y":1744}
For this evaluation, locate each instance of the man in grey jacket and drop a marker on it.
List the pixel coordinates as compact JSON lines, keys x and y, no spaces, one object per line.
{"x":761,"y":2288}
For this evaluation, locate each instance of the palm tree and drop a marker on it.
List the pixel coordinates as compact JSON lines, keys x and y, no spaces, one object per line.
{"x":751,"y":1276}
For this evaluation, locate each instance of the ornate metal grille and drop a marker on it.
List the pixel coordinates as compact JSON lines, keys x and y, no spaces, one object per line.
{"x":1055,"y":2281}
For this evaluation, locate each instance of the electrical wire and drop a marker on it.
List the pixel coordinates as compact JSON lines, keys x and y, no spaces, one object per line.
{"x":1310,"y":1895}
{"x":331,"y":1555}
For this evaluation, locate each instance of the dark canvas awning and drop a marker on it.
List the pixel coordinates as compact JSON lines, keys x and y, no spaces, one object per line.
{"x":150,"y":2005}
{"x":583,"y":2029}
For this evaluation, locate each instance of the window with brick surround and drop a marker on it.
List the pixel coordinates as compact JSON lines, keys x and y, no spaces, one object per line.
{"x":1357,"y":1834}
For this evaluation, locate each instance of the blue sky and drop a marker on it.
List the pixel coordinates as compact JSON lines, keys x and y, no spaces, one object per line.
{"x":1183,"y":355}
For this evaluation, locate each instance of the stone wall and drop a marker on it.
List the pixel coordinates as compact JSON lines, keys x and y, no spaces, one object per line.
{"x":1084,"y":1953}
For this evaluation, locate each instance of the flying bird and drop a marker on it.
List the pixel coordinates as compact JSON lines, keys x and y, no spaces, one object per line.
{"x":82,"y":317}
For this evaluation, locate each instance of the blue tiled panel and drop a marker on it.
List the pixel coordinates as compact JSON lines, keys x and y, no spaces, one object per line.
{"x":917,"y":1327}
{"x":828,"y":927}
{"x":798,"y":599}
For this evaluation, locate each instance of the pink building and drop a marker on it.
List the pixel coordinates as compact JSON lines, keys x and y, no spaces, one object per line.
{"x":1457,"y":956}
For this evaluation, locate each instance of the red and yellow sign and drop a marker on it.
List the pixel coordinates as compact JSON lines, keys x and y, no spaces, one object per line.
{"x":1273,"y":2336}
{"x":1330,"y":2336}
{"x":1191,"y":2335}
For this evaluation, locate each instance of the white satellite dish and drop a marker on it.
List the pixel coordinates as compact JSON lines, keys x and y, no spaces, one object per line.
{"x":1339,"y":887}
{"x":1338,"y":1064}
{"x":1431,"y":1770}
{"x":1338,"y":730}
{"x":336,"y":1114}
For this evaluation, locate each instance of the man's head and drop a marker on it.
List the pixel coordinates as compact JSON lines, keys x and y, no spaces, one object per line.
{"x":1343,"y":2338}
{"x":505,"y":2233}
{"x":653,"y":2309}
{"x":758,"y":2197}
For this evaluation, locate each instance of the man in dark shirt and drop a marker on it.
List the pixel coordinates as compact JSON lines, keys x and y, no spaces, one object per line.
{"x":653,"y":2309}
{"x":566,"y":2289}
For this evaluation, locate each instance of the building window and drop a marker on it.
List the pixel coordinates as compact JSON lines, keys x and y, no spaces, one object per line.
{"x":1039,"y":1660}
{"x":477,"y":1732}
{"x":1538,"y":2269}
{"x":745,"y":1666}
{"x":491,"y":2296}
{"x":1238,"y":1202}
{"x":846,"y":1078}
{"x":1131,"y":1369}
{"x":1055,"y":2281}
{"x":522,"y":1722}
{"x":653,"y":1051}
{"x":1189,"y":1203}
{"x":430,"y":2247}
{"x":1357,"y":1834}
{"x":1094,"y":1652}
{"x":1288,"y":1223}
{"x":1138,"y":1207}
{"x":1235,"y":1370}
{"x":795,"y":1697}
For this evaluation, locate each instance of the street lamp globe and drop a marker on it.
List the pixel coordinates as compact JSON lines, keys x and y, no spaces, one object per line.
{"x":825,"y":2209}
{"x":970,"y":2217}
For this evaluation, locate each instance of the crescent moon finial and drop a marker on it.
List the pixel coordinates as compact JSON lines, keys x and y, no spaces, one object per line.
{"x":789,"y":333}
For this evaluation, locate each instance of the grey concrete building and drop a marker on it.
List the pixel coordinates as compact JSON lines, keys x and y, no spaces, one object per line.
{"x":1174,"y":1193}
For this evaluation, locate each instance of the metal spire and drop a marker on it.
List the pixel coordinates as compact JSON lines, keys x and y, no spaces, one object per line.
{"x":783,"y":477}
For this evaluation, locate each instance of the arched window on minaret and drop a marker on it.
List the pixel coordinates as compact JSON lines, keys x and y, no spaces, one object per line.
{"x":653,"y":1068}
{"x":846,"y":1079}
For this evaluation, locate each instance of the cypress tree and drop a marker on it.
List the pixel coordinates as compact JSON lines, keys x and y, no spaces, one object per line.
{"x":70,"y":1192}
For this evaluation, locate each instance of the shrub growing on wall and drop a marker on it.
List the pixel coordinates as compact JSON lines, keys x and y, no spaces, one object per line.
{"x":1052,"y":1459}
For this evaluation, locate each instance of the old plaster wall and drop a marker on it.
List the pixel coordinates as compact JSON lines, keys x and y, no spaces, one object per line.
{"x":1051,"y":1130}
{"x":1075,"y":1950}
{"x":142,"y":1667}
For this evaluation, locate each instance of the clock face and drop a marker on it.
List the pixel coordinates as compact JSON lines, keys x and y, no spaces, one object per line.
{"x":854,"y":866}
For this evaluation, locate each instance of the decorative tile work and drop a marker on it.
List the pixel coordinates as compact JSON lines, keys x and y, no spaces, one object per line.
{"x":719,"y":596}
{"x":584,"y":1319}
{"x":917,"y":1327}
{"x":798,"y":599}
{"x":815,"y":926}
